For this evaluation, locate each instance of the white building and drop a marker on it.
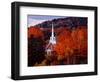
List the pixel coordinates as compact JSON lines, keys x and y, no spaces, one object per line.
{"x":52,"y":42}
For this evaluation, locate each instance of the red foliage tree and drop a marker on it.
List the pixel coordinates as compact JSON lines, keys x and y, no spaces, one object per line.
{"x":35,"y":31}
{"x":68,"y":41}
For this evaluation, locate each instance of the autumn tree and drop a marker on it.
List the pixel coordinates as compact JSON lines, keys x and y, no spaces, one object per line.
{"x":36,"y":50}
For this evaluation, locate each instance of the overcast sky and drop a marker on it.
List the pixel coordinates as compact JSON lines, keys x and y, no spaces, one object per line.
{"x":36,"y":19}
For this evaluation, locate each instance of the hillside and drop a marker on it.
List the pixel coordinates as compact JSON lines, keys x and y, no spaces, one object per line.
{"x":70,"y":22}
{"x":71,"y":37}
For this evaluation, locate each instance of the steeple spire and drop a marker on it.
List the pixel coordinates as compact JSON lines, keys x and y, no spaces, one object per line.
{"x":52,"y":31}
{"x":52,"y":38}
{"x":52,"y":41}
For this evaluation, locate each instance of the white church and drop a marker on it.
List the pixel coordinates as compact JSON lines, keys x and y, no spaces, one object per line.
{"x":52,"y":42}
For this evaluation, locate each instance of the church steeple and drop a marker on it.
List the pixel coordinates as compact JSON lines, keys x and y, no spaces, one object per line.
{"x":52,"y":31}
{"x":52,"y":38}
{"x":52,"y":42}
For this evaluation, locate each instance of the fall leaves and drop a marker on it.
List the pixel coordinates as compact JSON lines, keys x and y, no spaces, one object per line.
{"x":35,"y":32}
{"x":71,"y":47}
{"x":69,"y":40}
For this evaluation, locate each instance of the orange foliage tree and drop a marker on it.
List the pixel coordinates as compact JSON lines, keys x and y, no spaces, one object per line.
{"x":68,"y":41}
{"x":35,"y":31}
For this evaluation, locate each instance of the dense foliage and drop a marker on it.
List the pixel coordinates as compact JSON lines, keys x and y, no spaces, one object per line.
{"x":71,"y":47}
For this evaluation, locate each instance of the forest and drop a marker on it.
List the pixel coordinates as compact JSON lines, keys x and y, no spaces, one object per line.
{"x":72,"y":42}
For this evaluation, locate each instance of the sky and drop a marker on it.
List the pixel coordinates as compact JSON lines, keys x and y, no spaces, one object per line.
{"x":36,"y":19}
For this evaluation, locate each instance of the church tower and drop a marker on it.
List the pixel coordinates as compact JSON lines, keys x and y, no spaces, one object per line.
{"x":52,"y":42}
